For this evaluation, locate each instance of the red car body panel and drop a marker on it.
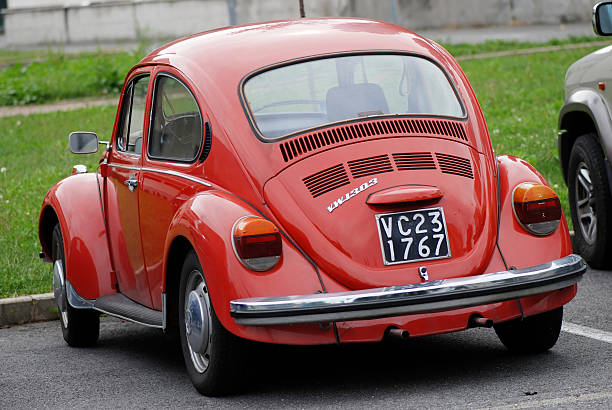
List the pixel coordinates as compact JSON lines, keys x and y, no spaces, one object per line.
{"x":77,"y":207}
{"x":520,"y":248}
{"x":450,"y":321}
{"x":246,"y":176}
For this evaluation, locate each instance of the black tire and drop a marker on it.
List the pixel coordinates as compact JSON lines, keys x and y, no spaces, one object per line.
{"x":214,"y":369}
{"x":589,"y":202}
{"x":533,"y":334}
{"x":80,"y":327}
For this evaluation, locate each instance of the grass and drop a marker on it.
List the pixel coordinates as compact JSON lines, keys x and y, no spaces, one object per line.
{"x":33,"y":156}
{"x":520,"y":95}
{"x":491,"y":46}
{"x":40,"y":76}
{"x":10,"y":57}
{"x":62,"y":76}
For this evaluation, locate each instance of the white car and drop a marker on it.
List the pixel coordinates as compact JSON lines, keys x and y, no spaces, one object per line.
{"x":585,"y":146}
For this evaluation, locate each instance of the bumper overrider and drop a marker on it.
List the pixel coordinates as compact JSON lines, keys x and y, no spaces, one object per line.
{"x":427,"y":297}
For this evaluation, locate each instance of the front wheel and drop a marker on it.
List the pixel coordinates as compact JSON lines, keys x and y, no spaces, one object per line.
{"x":212,"y":354}
{"x":80,"y":327}
{"x":589,"y":199}
{"x":533,"y":334}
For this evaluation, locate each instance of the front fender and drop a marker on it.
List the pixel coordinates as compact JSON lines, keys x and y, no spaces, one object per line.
{"x":74,"y":203}
{"x":206,"y":221}
{"x":584,"y":101}
{"x":520,"y":248}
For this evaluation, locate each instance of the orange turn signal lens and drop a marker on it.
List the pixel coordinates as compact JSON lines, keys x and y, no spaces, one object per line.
{"x":537,"y":208}
{"x":257,"y":243}
{"x":79,"y":169}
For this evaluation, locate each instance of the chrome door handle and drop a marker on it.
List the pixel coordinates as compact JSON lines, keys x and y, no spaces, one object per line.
{"x":131,"y":183}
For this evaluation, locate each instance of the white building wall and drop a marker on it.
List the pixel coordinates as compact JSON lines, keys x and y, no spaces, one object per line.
{"x":23,"y":4}
{"x":81,"y":21}
{"x":37,"y":27}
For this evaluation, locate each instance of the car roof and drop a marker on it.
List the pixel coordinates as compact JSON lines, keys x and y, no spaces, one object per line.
{"x":242,"y":49}
{"x":215,"y":64}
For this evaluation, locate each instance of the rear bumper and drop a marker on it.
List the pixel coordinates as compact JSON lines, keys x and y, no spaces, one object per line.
{"x":424,"y":297}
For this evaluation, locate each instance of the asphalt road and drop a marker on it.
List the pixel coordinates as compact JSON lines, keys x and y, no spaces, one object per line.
{"x":137,"y":367}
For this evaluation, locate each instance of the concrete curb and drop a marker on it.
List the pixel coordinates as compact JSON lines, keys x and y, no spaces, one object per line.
{"x":25,"y":309}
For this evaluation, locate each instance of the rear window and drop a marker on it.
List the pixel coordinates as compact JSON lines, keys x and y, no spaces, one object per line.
{"x":309,"y":94}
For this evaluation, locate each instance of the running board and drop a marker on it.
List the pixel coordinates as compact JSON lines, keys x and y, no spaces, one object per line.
{"x":125,"y":308}
{"x":120,"y":306}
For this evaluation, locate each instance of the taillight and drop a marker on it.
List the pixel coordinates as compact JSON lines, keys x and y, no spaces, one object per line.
{"x":257,"y":243}
{"x":537,"y":208}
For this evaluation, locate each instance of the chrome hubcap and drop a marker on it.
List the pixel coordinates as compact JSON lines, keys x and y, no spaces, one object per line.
{"x":198,"y":321}
{"x":587,"y":218}
{"x":59,"y":291}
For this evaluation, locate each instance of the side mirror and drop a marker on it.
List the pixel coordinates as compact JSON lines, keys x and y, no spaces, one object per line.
{"x":602,"y":18}
{"x":83,"y":142}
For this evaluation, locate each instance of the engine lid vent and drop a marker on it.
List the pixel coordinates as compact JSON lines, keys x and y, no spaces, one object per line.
{"x":370,"y":166}
{"x":326,"y":180}
{"x":413,"y":161}
{"x":298,"y":146}
{"x":450,"y":164}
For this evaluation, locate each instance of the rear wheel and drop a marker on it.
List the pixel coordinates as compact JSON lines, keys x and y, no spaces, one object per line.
{"x":212,"y":354}
{"x":589,"y":198}
{"x":533,"y":334}
{"x":80,"y":327}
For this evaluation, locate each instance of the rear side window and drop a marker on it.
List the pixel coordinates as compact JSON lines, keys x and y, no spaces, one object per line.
{"x":176,"y":132}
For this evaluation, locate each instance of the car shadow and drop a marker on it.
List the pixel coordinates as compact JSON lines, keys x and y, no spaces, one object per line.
{"x":416,"y":364}
{"x":122,"y":338}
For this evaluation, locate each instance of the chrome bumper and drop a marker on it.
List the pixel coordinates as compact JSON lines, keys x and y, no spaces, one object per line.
{"x":424,"y":297}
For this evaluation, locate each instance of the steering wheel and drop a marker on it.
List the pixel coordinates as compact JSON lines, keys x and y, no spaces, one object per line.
{"x":171,"y":132}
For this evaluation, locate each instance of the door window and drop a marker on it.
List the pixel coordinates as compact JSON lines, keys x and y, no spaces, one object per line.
{"x":176,"y":132}
{"x":129,"y":138}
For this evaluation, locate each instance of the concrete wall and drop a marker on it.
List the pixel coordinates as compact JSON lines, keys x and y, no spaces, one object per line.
{"x":552,"y":11}
{"x":422,"y":14}
{"x":36,"y":27}
{"x":24,"y":4}
{"x":113,"y":21}
{"x":81,"y":21}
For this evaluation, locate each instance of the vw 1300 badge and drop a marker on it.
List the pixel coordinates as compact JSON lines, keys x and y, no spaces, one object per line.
{"x":351,"y":194}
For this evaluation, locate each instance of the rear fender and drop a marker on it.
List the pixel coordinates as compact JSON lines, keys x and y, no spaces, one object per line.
{"x":74,"y":203}
{"x":206,"y":222}
{"x":520,"y":248}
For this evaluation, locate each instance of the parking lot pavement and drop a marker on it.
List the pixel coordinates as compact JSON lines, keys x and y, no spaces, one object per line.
{"x":592,"y":306}
{"x":135,"y":366}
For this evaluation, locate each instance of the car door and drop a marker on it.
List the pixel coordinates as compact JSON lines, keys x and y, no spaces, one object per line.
{"x":172,"y":169}
{"x":122,"y":186}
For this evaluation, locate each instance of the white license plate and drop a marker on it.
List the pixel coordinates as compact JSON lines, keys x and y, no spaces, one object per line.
{"x":412,"y":236}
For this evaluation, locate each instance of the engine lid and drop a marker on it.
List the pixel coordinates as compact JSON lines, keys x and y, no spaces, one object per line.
{"x":332,"y":204}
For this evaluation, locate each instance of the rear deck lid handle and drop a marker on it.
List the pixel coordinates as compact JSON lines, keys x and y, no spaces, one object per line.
{"x":403,"y":194}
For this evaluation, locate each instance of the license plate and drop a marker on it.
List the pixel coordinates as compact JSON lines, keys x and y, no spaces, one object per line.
{"x":413,"y":236}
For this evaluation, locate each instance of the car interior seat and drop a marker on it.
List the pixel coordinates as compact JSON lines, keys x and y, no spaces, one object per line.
{"x":355,"y":101}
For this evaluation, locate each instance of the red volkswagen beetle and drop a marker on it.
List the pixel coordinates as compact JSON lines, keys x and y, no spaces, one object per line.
{"x":314,"y":181}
